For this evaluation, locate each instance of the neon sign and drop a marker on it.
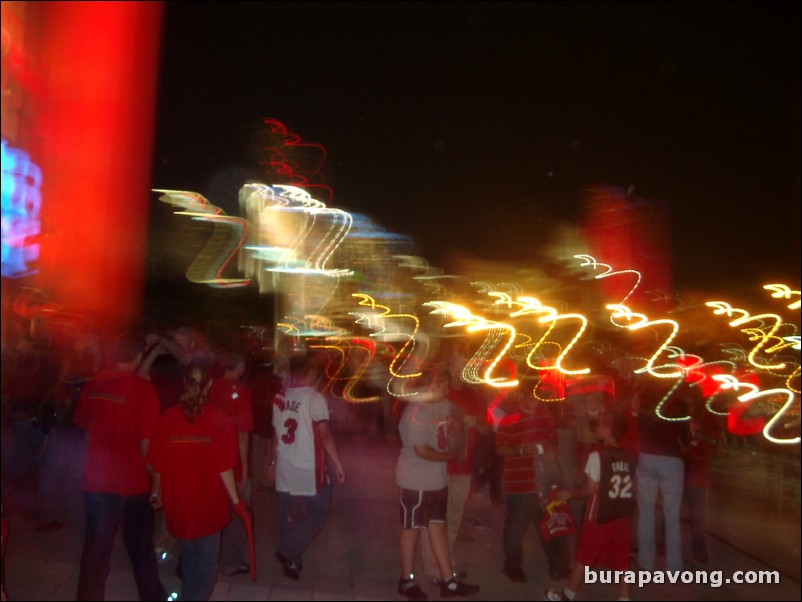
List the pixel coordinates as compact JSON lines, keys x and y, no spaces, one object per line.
{"x":21,"y":201}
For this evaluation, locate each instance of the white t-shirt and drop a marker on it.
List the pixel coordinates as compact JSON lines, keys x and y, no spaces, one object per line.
{"x":593,"y":466}
{"x":301,"y":460}
{"x":423,"y":423}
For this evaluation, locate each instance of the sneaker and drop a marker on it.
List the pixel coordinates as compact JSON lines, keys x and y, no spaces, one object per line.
{"x":516,"y":575}
{"x":409,"y":589}
{"x":554,"y":595}
{"x":291,"y":569}
{"x":452,"y":588}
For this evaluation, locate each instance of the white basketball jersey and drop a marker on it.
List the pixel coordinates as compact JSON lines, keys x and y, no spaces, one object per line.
{"x":301,"y":459}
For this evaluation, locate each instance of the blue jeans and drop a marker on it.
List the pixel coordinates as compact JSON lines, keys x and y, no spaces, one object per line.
{"x":300,"y":519}
{"x":105,"y":514}
{"x":666,"y":474}
{"x":198,"y":559}
{"x":523,"y":510}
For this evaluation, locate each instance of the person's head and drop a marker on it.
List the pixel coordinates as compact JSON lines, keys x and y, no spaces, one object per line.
{"x":185,"y":337}
{"x":124,"y":352}
{"x":233,"y":365}
{"x":306,"y":369}
{"x":525,"y":398}
{"x":612,"y":426}
{"x":197,"y":380}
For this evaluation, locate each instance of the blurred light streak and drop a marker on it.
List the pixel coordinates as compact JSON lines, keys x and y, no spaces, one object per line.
{"x":753,"y":393}
{"x":589,"y":260}
{"x":781,"y":291}
{"x":641,"y":321}
{"x":228,"y":237}
{"x":463,"y":317}
{"x":721,"y":307}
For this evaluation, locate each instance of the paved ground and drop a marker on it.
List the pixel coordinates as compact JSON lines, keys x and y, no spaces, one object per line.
{"x":355,"y":557}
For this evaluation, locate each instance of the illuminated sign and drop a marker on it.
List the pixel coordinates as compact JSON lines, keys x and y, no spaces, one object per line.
{"x":22,"y":199}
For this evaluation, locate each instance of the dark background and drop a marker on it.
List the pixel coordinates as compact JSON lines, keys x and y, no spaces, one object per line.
{"x":455,"y":122}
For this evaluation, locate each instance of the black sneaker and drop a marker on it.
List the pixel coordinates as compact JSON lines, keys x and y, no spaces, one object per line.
{"x":452,"y":588}
{"x":516,"y":575}
{"x":291,"y":569}
{"x":409,"y":589}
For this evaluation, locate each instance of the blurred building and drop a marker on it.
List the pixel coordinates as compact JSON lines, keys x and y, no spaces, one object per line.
{"x":79,"y":84}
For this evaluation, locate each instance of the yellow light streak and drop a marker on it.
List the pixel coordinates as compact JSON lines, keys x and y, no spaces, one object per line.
{"x":781,"y":291}
{"x":721,"y":307}
{"x":754,"y":392}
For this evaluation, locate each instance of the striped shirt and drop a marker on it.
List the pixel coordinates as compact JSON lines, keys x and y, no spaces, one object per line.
{"x":519,"y":429}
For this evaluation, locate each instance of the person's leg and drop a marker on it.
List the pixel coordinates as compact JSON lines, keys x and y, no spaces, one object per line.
{"x":103,"y":514}
{"x":672,"y":477}
{"x":697,"y":510}
{"x":515,"y":523}
{"x":315,"y":510}
{"x":430,"y":568}
{"x":459,"y":487}
{"x":290,"y":509}
{"x":647,"y":498}
{"x":556,"y":549}
{"x":576,"y":578}
{"x":409,"y":543}
{"x":199,"y":560}
{"x":138,"y":539}
{"x":439,"y":542}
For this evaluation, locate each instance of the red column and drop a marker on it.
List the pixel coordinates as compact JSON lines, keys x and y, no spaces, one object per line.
{"x":94,"y":131}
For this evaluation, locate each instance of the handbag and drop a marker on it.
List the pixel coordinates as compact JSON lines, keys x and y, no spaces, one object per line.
{"x":557,"y":520}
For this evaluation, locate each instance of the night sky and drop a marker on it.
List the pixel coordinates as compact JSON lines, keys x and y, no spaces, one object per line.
{"x":452,"y":122}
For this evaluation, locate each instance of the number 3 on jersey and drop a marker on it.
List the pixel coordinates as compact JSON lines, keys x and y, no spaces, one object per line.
{"x":289,"y":435}
{"x":620,"y":487}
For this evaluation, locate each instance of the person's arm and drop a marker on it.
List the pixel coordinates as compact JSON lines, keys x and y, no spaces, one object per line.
{"x":227,"y":476}
{"x":433,"y":455}
{"x":585,"y":490}
{"x":144,"y":444}
{"x":176,"y":350}
{"x":327,"y":440}
{"x":152,"y":350}
{"x":156,"y":490}
{"x":271,"y":461}
{"x":510,"y":451}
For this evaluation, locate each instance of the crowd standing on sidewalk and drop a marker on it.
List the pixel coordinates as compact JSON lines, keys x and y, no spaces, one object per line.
{"x":212,"y":425}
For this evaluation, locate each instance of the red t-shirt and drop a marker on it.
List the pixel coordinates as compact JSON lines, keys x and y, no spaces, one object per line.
{"x":519,"y":429}
{"x":117,"y":409}
{"x":190,"y":458}
{"x":234,"y":398}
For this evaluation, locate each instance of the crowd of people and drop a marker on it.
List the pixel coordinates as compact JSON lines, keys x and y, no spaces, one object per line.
{"x":180,"y":434}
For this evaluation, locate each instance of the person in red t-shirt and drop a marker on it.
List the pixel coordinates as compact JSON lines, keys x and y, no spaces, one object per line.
{"x":119,"y":412}
{"x":527,"y":439}
{"x":231,"y":395}
{"x":193,"y":459}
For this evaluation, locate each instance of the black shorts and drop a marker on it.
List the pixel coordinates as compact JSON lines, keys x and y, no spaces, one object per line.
{"x":419,"y":508}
